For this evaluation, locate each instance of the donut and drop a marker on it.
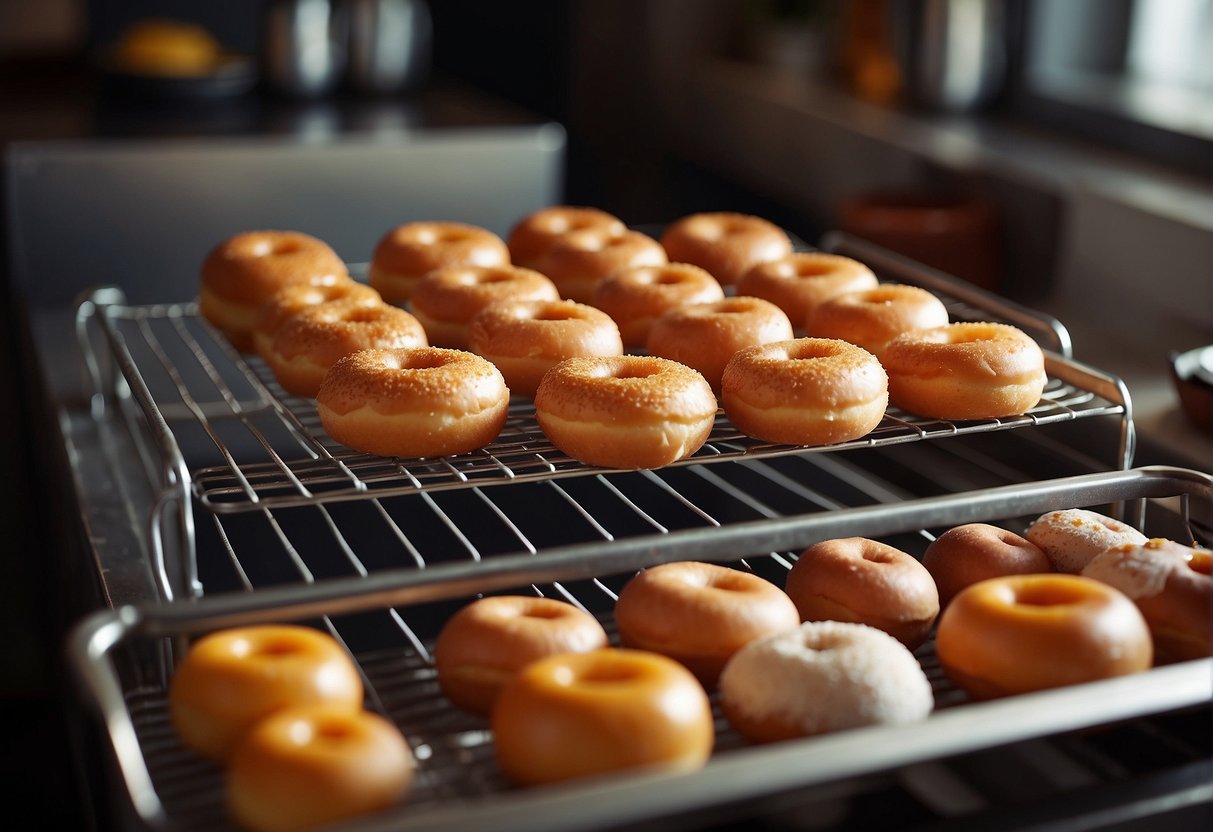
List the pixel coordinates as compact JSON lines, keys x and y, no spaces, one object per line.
{"x":408,"y":252}
{"x":820,"y":677}
{"x":288,"y":302}
{"x":700,"y":614}
{"x":873,"y":317}
{"x":636,"y":297}
{"x":705,"y":336}
{"x":578,"y":714}
{"x":482,"y":646}
{"x":625,"y":411}
{"x":577,"y":261}
{"x":726,"y":244}
{"x":231,"y":679}
{"x":525,"y":339}
{"x":802,"y":281}
{"x":1171,"y":586}
{"x":413,"y":402}
{"x":966,"y":554}
{"x":809,"y":391}
{"x":310,"y":766}
{"x":1022,"y":633}
{"x":865,"y":582}
{"x":535,"y":233}
{"x":310,"y":342}
{"x":445,"y":301}
{"x":244,"y":271}
{"x":965,"y":371}
{"x":1071,"y":537}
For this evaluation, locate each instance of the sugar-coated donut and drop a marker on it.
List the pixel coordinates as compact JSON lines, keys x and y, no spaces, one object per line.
{"x":705,"y":336}
{"x":310,"y":766}
{"x":233,"y":678}
{"x":809,"y":391}
{"x":965,"y":371}
{"x":579,"y":260}
{"x":804,"y":280}
{"x":822,"y":676}
{"x":312,"y":341}
{"x":288,"y":302}
{"x":700,"y":614}
{"x":579,"y":714}
{"x":627,"y":411}
{"x":525,"y":339}
{"x":409,"y":252}
{"x":873,"y":317}
{"x":1071,"y":537}
{"x":413,"y":402}
{"x":1022,"y":633}
{"x":243,"y":271}
{"x":535,"y":233}
{"x":1171,"y":585}
{"x":726,"y":244}
{"x":636,"y":297}
{"x":446,"y":300}
{"x":486,"y":643}
{"x":964,"y":555}
{"x":866,"y":582}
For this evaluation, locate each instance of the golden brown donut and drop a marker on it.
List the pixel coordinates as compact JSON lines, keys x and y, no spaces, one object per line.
{"x":525,"y":339}
{"x":233,"y":678}
{"x":636,"y":297}
{"x":310,"y":342}
{"x":965,"y":371}
{"x":866,"y":582}
{"x":483,"y":645}
{"x":579,"y":714}
{"x":1071,"y":537}
{"x":310,"y":766}
{"x":244,"y":271}
{"x":292,"y":300}
{"x":413,"y":402}
{"x":966,"y":554}
{"x":705,"y":336}
{"x":535,"y":233}
{"x":1022,"y":633}
{"x":700,"y":614}
{"x":626,"y":411}
{"x":409,"y":252}
{"x":445,"y":301}
{"x":577,"y":261}
{"x":726,"y":244}
{"x":810,"y":391}
{"x":804,"y":280}
{"x":873,"y":317}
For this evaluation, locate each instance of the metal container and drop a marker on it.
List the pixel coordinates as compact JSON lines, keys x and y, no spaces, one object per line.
{"x":303,"y":47}
{"x":389,"y":44}
{"x":952,"y":53}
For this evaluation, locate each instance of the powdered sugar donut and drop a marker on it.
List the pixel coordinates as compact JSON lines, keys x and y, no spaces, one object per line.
{"x":1072,"y":537}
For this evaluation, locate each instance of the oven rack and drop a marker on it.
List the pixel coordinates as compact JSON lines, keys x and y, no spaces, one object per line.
{"x":388,"y":621}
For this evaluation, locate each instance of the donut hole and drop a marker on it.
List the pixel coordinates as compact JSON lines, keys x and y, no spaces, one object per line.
{"x":811,"y":350}
{"x":550,"y":314}
{"x":668,"y":278}
{"x":286,"y":247}
{"x":541,"y":613}
{"x":729,"y":583}
{"x":1049,"y":594}
{"x":877,"y":556}
{"x":812,"y":269}
{"x":491,"y":277}
{"x":631,"y":371}
{"x":275,"y":648}
{"x":881,"y":296}
{"x":610,"y":673}
{"x":333,"y":731}
{"x":362,"y":315}
{"x":422,"y":360}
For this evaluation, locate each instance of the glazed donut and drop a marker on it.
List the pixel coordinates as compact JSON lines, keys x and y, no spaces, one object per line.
{"x":1022,"y":633}
{"x":726,"y":244}
{"x":445,"y":301}
{"x":822,"y":676}
{"x":804,"y":280}
{"x":577,"y":261}
{"x":865,"y":582}
{"x":966,"y":554}
{"x":626,"y":411}
{"x":535,"y":233}
{"x":1070,"y":538}
{"x":705,"y":336}
{"x":1171,"y":586}
{"x":810,"y":391}
{"x":700,"y":614}
{"x":413,"y":402}
{"x":525,"y":339}
{"x":310,"y":342}
{"x":483,"y":645}
{"x":243,"y":271}
{"x":307,"y":767}
{"x":965,"y":371}
{"x":873,"y":317}
{"x":292,"y":300}
{"x":636,"y":297}
{"x":408,"y":252}
{"x":233,"y":678}
{"x":579,"y":714}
